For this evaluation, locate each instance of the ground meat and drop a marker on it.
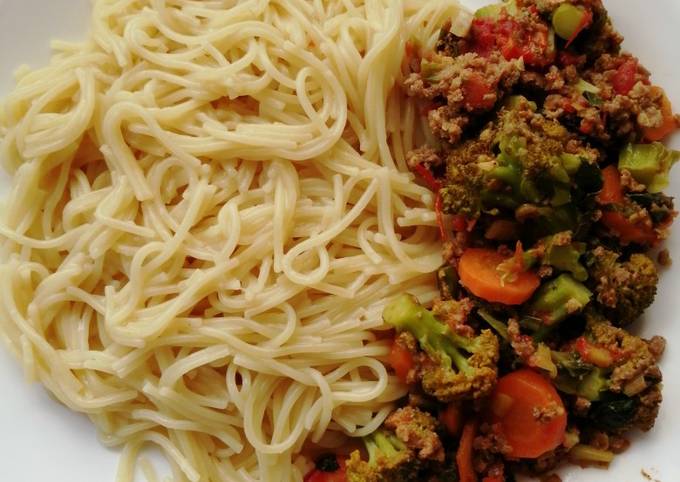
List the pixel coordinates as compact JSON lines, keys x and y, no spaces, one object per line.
{"x":664,"y":258}
{"x":545,"y":463}
{"x":417,"y":430}
{"x":615,"y":111}
{"x":629,"y":183}
{"x":523,"y":345}
{"x":648,"y":409}
{"x":425,"y":155}
{"x":455,"y":314}
{"x":551,"y":478}
{"x":491,"y":439}
{"x":453,"y":248}
{"x":657,"y":345}
{"x":599,"y":440}
{"x":547,"y":413}
{"x":447,"y":123}
{"x":581,"y":406}
{"x":447,"y":83}
{"x":618,"y":444}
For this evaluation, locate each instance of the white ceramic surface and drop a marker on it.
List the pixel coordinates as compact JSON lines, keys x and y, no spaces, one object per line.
{"x":40,"y":440}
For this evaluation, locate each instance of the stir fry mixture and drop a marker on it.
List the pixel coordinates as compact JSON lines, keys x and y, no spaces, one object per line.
{"x":548,"y":173}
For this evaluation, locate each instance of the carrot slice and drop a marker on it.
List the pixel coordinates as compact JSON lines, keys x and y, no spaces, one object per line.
{"x":627,"y":231}
{"x":668,"y":125}
{"x":466,"y":470}
{"x":452,"y":418}
{"x":479,"y":273}
{"x":612,"y":190}
{"x":516,"y":401}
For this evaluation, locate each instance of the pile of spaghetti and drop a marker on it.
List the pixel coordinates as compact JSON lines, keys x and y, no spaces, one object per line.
{"x":210,"y":206}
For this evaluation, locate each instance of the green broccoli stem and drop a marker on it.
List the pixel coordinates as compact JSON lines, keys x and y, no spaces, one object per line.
{"x":379,"y":444}
{"x":590,"y":454}
{"x":434,"y":337}
{"x":558,"y":299}
{"x":500,"y":327}
{"x":649,"y":164}
{"x":579,"y":378}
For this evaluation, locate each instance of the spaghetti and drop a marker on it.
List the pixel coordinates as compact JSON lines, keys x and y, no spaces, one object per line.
{"x":210,"y":206}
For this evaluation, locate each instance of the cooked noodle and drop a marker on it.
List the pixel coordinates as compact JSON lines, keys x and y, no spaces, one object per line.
{"x":209,"y":209}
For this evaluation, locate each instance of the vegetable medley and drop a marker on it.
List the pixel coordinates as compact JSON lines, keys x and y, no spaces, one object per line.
{"x":548,"y":172}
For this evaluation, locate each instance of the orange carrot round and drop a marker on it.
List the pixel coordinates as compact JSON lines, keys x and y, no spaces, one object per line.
{"x":479,"y":273}
{"x":515,"y":403}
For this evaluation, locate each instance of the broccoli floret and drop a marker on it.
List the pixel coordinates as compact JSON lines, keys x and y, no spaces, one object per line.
{"x":389,"y":460}
{"x":620,"y":413}
{"x":625,"y":289}
{"x":405,"y":448}
{"x":454,"y":367}
{"x":634,"y":360}
{"x":649,"y":164}
{"x":518,"y":165}
{"x":614,"y":370}
{"x":576,"y":377}
{"x":559,"y":251}
{"x":558,"y":299}
{"x":417,"y":429}
{"x":564,"y":254}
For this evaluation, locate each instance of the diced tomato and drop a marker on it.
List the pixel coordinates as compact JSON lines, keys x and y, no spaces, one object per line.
{"x":483,"y":33}
{"x":439,"y":213}
{"x":624,"y":79}
{"x":567,"y":58}
{"x":401,"y":361}
{"x":459,"y":223}
{"x":595,"y":355}
{"x":568,"y":106}
{"x":511,"y":50}
{"x":427,"y":176}
{"x":411,"y":51}
{"x":476,"y":92}
{"x":639,"y":232}
{"x":513,"y":39}
{"x":411,"y":60}
{"x":586,"y":126}
{"x":612,"y":190}
{"x":317,"y":475}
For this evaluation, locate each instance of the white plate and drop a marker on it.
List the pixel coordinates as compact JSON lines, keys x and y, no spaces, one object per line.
{"x":41,"y":440}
